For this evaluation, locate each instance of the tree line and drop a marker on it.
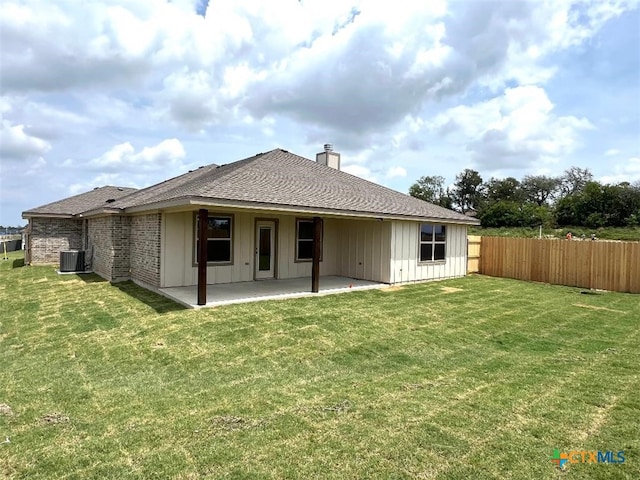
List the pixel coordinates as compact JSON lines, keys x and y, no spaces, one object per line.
{"x":571,"y":199}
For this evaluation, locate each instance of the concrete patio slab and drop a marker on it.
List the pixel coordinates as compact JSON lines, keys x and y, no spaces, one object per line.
{"x":242,"y":292}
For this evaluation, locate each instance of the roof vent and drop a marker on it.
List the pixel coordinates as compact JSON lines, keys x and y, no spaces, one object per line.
{"x":110,"y":200}
{"x":329,"y":157}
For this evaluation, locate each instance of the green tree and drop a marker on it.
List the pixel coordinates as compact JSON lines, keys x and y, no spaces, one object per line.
{"x":597,"y":205}
{"x":428,"y":188}
{"x":505,"y":213}
{"x":431,"y":189}
{"x":574,"y":179}
{"x":446,"y":200}
{"x":507,"y":189}
{"x":540,"y":189}
{"x":468,"y":190}
{"x":501,"y":213}
{"x":565,"y":211}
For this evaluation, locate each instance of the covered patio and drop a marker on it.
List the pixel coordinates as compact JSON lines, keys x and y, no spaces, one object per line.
{"x":243,"y":292}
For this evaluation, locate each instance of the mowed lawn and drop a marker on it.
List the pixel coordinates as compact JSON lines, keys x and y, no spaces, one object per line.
{"x":471,"y":378}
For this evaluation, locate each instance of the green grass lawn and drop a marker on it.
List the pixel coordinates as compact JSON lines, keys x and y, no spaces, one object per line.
{"x":471,"y":378}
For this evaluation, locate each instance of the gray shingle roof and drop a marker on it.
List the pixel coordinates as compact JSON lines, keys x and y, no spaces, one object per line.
{"x":176,"y":187}
{"x":77,"y":204}
{"x":284,"y":179}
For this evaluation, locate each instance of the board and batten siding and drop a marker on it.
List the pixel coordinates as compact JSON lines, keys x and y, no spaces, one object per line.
{"x":364,"y":249}
{"x":405,"y":264}
{"x":178,"y":233}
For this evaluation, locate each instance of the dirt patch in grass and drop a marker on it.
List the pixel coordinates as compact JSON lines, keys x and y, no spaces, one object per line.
{"x":75,"y":281}
{"x":451,"y":290}
{"x":600,"y":417}
{"x":412,"y":386}
{"x":54,"y":418}
{"x":341,"y":407}
{"x":392,"y":289}
{"x":230,"y":423}
{"x":5,"y":409}
{"x":594,"y":307}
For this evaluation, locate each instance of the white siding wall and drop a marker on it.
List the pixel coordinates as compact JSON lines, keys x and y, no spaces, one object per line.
{"x":364,"y":249}
{"x":178,"y":245}
{"x":405,"y":266}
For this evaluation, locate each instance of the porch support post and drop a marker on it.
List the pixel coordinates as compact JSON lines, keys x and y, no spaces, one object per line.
{"x":317,"y":253}
{"x":203,"y":219}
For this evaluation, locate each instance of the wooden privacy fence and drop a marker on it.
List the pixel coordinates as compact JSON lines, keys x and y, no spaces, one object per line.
{"x":602,"y":265}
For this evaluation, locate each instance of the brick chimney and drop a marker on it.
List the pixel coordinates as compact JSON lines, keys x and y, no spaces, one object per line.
{"x":329,"y":157}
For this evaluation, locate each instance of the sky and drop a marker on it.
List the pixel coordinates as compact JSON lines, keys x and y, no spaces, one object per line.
{"x":132,"y":92}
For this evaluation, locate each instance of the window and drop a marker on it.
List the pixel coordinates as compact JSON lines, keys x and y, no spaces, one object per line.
{"x":219,"y":239}
{"x":304,"y":240}
{"x":432,"y":242}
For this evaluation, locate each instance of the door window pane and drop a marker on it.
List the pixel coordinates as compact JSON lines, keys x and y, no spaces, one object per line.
{"x":264,"y":250}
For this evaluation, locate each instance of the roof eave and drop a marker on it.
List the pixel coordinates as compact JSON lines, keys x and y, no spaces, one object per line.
{"x":220,"y":202}
{"x":99,"y":212}
{"x":27,"y":215}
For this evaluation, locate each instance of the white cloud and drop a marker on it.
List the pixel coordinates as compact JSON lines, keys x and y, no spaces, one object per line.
{"x":122,"y":166}
{"x":16,"y":144}
{"x":192,"y":98}
{"x":612,"y":152}
{"x":515,"y":130}
{"x":360,"y":171}
{"x":624,"y":172}
{"x":158,"y":157}
{"x":384,"y":82}
{"x":5,"y":105}
{"x":396,"y":171}
{"x":382,"y":60}
{"x":101,"y":180}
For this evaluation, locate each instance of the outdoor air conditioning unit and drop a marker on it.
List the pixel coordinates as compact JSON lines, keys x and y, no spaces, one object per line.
{"x":72,"y":261}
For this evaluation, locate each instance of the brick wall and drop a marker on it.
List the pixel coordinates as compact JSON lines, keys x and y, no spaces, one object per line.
{"x":100,"y":246}
{"x":118,"y":247}
{"x":120,"y":229}
{"x":49,"y":236}
{"x":145,"y":248}
{"x":108,"y":247}
{"x":123,"y":247}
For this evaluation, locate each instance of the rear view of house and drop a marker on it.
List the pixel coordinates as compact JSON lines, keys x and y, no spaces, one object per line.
{"x":259,"y":215}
